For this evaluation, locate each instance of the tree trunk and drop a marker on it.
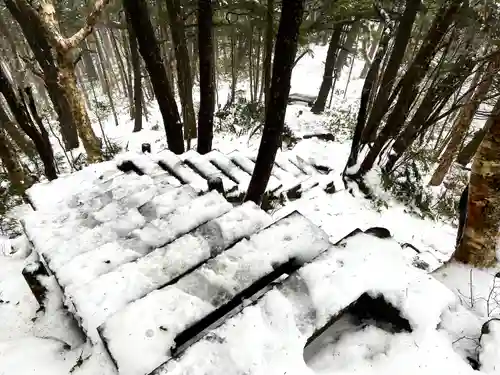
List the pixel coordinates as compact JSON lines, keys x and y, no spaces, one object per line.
{"x":33,"y":31}
{"x":349,"y":48}
{"x":136,"y":66}
{"x":24,"y":143}
{"x":382,"y":103}
{"x":286,"y":49}
{"x":21,"y":113}
{"x":88,"y":62}
{"x":268,"y":51}
{"x":184,"y":78}
{"x":121,"y":65}
{"x":76,"y":102}
{"x":462,"y":124}
{"x":138,"y":15}
{"x":368,"y":56}
{"x":326,"y":84}
{"x":366,"y":92}
{"x":107,"y":85}
{"x":14,"y":168}
{"x":207,"y":75}
{"x":46,"y":41}
{"x":467,"y":153}
{"x":234,"y":72}
{"x":479,"y":240}
{"x":440,"y":92}
{"x":411,"y":80}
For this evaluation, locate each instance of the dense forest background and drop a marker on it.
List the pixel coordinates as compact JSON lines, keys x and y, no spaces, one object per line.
{"x":429,"y":100}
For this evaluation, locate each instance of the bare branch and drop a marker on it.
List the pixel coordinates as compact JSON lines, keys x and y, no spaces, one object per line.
{"x":90,"y":22}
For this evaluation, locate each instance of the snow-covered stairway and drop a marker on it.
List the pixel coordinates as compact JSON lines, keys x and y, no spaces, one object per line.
{"x":147,"y":243}
{"x":291,"y":176}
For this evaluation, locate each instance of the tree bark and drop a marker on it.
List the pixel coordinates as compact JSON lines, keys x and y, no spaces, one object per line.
{"x":11,"y":163}
{"x":440,"y":92}
{"x":43,"y":30}
{"x":207,"y":75}
{"x":462,"y":124}
{"x":366,"y":93}
{"x":286,"y":49}
{"x":21,"y":113}
{"x":331,"y":56}
{"x":369,"y":55}
{"x":136,"y":67}
{"x":184,"y":77}
{"x":478,"y":244}
{"x":138,"y":15}
{"x":467,"y":153}
{"x":24,"y":143}
{"x":348,"y":48}
{"x":411,"y":80}
{"x":268,"y":51}
{"x":381,"y":103}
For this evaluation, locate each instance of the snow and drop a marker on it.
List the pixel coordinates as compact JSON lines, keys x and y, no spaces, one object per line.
{"x":105,"y":295}
{"x":267,"y":337}
{"x":185,"y":174}
{"x":208,"y":287}
{"x":183,"y":219}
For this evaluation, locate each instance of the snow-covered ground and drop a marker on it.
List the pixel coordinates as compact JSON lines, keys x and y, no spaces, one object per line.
{"x":448,"y":308}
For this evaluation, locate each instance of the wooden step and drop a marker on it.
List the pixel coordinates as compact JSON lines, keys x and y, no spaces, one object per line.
{"x":284,"y":163}
{"x":165,"y":313}
{"x":174,"y":165}
{"x":131,"y":281}
{"x":248,"y":166}
{"x":302,"y":165}
{"x":161,"y":231}
{"x":147,"y":165}
{"x":230,"y":169}
{"x":206,"y":169}
{"x":89,"y":265}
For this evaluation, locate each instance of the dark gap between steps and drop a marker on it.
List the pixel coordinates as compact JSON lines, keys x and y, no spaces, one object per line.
{"x":197,"y":330}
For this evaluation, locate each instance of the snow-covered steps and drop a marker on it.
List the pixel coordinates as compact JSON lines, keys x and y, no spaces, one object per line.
{"x":151,"y":325}
{"x":183,"y":219}
{"x":248,"y":166}
{"x":174,"y":165}
{"x":104,"y":295}
{"x":283,"y":332}
{"x":146,"y":165}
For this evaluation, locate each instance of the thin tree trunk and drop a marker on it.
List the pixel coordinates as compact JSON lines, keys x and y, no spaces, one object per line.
{"x":88,"y":62}
{"x":369,"y":56}
{"x":136,"y":66}
{"x":348,"y":48}
{"x":207,"y":75}
{"x":382,"y":103}
{"x":25,"y":144}
{"x":107,"y":87}
{"x":366,"y":92}
{"x":121,"y":65}
{"x":11,"y":163}
{"x":268,"y":51}
{"x":462,"y":124}
{"x":467,"y":153}
{"x":257,"y":66}
{"x":479,"y":241}
{"x":234,"y":73}
{"x":326,"y":84}
{"x":286,"y":49}
{"x":128,"y":60}
{"x":439,"y":92}
{"x":21,"y":113}
{"x":138,"y":15}
{"x":184,"y":78}
{"x":411,"y":80}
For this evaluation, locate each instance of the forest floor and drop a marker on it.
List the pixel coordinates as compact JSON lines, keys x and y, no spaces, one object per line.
{"x":449,"y":314}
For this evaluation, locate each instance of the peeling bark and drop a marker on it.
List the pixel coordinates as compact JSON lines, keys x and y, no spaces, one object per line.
{"x":481,"y":234}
